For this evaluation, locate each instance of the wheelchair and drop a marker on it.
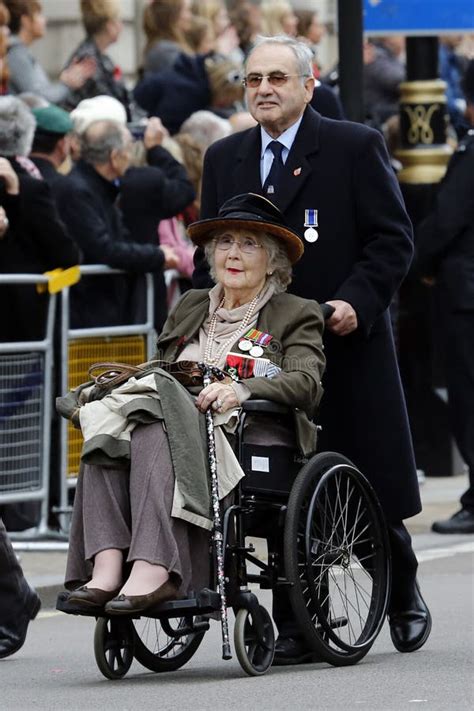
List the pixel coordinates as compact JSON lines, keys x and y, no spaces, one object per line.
{"x":333,"y":560}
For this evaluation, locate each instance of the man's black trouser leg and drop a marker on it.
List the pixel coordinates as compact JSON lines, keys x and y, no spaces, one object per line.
{"x":404,"y":568}
{"x":11,"y":576}
{"x":459,"y":351}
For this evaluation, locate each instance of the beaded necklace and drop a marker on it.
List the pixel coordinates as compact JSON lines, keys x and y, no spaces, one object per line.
{"x":208,"y":357}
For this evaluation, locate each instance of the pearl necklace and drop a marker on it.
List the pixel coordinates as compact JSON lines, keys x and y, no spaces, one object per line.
{"x":208,"y":357}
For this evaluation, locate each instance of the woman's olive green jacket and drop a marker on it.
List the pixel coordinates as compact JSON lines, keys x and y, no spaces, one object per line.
{"x":296,"y":326}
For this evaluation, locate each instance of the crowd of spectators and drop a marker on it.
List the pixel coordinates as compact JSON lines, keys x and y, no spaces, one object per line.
{"x":95,"y":171}
{"x":121,"y":165}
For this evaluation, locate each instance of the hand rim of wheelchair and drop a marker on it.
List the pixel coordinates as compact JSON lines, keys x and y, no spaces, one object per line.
{"x":254,"y":657}
{"x":113,"y":646}
{"x":317,"y":628}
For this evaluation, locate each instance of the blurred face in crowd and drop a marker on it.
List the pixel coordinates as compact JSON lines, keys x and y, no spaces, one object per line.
{"x":395,"y":43}
{"x":289,"y":24}
{"x":33,"y":26}
{"x":277,"y":108}
{"x":121,"y":157}
{"x":185,"y":16}
{"x":315,"y":31}
{"x":114,"y":29}
{"x":4,"y":31}
{"x":221,"y":21}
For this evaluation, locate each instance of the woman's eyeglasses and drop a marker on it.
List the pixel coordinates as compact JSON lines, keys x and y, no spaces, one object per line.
{"x":247,"y":245}
{"x":274,"y":79}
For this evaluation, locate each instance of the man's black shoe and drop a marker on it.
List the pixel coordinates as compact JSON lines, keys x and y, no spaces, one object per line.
{"x":410,"y":627}
{"x":13,"y":632}
{"x":293,"y":650}
{"x":461,"y":522}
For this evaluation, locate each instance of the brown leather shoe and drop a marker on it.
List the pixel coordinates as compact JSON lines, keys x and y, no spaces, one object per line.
{"x":136,"y":604}
{"x":91,"y":597}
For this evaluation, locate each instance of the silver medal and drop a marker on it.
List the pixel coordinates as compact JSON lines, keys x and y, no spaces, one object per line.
{"x":245,"y":345}
{"x":311,"y":235}
{"x":256,"y":351}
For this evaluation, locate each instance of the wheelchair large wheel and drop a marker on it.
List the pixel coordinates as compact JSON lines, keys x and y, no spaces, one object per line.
{"x":337,"y":556}
{"x":113,"y":646}
{"x":255,"y":657}
{"x":160,"y":651}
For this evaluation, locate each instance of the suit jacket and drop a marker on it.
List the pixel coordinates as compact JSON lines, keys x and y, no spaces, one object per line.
{"x":445,"y":238}
{"x":87,"y":204}
{"x":296,"y":326}
{"x":363,"y":252}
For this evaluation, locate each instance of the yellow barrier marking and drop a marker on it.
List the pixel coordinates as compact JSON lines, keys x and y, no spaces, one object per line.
{"x":59,"y":279}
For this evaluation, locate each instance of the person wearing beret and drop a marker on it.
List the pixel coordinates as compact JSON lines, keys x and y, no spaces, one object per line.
{"x":129,"y":513}
{"x":51,"y":142}
{"x":333,"y":182}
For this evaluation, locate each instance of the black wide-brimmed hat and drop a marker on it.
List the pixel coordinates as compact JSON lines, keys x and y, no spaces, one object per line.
{"x":253,"y":212}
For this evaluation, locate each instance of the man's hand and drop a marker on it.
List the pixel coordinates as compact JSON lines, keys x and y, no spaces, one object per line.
{"x":171,"y":258}
{"x":3,"y":222}
{"x":155,"y":133}
{"x":344,"y":319}
{"x":9,"y":176}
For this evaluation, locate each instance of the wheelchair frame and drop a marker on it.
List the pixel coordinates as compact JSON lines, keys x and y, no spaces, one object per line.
{"x":324,"y":497}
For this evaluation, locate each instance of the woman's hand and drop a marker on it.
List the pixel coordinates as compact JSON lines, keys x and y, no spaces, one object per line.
{"x":219,"y":396}
{"x":78,"y":72}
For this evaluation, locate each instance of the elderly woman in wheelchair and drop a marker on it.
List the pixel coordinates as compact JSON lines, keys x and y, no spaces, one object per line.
{"x":139,"y":539}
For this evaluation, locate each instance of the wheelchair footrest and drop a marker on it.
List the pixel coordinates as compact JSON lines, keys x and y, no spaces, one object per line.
{"x":205,"y":602}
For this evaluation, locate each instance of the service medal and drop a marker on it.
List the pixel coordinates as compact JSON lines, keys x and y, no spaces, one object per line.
{"x":245,"y":344}
{"x":311,"y":221}
{"x":256,"y":351}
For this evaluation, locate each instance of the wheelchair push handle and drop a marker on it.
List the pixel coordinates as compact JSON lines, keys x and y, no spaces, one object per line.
{"x":327,"y":311}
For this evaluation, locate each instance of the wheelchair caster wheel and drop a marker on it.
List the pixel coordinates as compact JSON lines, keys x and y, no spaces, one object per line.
{"x":255,"y":657}
{"x":113,"y":646}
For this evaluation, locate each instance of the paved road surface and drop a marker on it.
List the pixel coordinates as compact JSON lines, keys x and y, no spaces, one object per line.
{"x":56,"y":667}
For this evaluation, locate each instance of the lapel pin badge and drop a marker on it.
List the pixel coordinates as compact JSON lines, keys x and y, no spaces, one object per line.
{"x":296,"y":172}
{"x":311,"y":222}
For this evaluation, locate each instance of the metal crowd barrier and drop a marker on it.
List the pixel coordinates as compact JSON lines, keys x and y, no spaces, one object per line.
{"x":26,"y":372}
{"x":80,"y":348}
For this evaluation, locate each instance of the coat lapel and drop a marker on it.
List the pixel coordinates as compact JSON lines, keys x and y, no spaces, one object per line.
{"x":184,"y":331}
{"x":247,"y":169}
{"x":297,"y":166}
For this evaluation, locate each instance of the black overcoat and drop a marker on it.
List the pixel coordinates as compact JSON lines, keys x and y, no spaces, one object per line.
{"x":364,"y":249}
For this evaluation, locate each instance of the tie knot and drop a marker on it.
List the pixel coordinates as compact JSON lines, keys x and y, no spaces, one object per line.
{"x":276,"y":148}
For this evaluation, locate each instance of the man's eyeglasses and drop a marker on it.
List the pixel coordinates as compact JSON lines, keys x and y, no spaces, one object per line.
{"x":274,"y":79}
{"x":247,"y":245}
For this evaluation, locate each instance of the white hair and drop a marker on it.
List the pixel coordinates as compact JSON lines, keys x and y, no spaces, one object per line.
{"x":303,"y":54}
{"x":206,"y":128}
{"x":17,"y":127}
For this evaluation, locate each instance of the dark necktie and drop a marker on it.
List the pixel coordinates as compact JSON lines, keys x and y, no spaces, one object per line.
{"x":272,"y":183}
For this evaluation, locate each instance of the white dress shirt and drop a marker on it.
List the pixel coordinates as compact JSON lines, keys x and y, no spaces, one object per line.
{"x":286,"y":139}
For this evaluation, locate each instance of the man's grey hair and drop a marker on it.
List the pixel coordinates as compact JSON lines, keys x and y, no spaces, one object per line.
{"x":17,"y":127}
{"x":205,"y":127}
{"x":278,"y":261}
{"x":303,"y":54}
{"x":100,"y":139}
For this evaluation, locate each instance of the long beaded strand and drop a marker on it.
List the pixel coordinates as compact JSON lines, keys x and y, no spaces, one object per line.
{"x":208,"y":358}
